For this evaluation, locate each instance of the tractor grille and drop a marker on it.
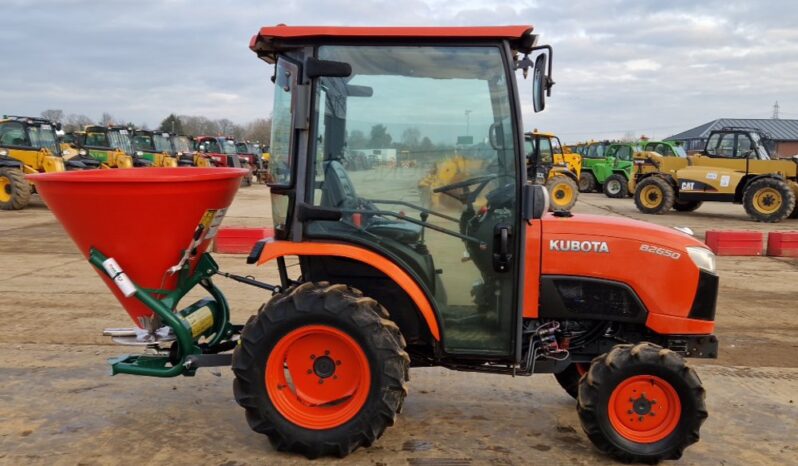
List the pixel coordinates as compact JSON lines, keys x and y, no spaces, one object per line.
{"x":598,"y":298}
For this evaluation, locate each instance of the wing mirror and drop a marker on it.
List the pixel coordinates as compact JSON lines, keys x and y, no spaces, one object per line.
{"x":536,"y":201}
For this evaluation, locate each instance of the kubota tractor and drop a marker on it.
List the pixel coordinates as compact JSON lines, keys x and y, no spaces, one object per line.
{"x":493,"y":285}
{"x":735,"y":166}
{"x":556,"y":169}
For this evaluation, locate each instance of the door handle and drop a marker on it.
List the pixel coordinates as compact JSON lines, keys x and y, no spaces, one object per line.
{"x":501,"y":248}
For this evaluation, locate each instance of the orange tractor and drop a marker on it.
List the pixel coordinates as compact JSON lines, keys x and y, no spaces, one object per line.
{"x":496,"y":285}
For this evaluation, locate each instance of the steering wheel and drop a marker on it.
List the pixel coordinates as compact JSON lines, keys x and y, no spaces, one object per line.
{"x":469,"y":196}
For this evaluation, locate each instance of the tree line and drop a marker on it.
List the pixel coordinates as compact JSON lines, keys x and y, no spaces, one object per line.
{"x":190,"y":125}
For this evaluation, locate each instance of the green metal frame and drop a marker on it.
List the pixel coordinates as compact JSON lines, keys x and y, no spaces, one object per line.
{"x":164,"y":307}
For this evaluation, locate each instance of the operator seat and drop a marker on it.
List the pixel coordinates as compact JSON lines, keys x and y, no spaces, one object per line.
{"x":338,"y":192}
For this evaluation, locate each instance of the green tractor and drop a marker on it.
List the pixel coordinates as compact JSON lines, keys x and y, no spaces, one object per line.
{"x":607,"y":167}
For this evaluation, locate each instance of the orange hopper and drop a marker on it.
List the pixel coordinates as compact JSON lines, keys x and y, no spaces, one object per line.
{"x":145,"y":218}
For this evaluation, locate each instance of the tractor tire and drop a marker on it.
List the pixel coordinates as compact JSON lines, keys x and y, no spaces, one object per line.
{"x":794,"y":213}
{"x":563,"y":192}
{"x":616,"y":186}
{"x":569,"y":378}
{"x":346,"y":365}
{"x":587,"y":182}
{"x":654,"y":195}
{"x":15,"y":191}
{"x":641,"y":403}
{"x":686,"y":206}
{"x":769,"y":200}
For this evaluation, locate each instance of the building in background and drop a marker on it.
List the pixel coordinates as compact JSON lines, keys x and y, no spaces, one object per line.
{"x":784,"y":134}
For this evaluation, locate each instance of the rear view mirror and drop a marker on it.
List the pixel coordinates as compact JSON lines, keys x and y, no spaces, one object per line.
{"x":540,"y":83}
{"x":536,"y":201}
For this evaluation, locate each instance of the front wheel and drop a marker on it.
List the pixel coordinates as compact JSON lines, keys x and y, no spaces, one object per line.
{"x":320,"y":370}
{"x":569,"y":378}
{"x":616,"y":186}
{"x":587,"y":182}
{"x":641,"y":403}
{"x":563,"y":192}
{"x":654,"y":195}
{"x":15,"y":191}
{"x":769,"y":200}
{"x":686,"y":206}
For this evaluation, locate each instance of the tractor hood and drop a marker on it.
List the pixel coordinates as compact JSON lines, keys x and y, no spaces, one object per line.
{"x":599,"y":226}
{"x":652,"y":260}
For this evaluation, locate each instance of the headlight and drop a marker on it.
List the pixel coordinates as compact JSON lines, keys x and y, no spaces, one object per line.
{"x":3,"y":152}
{"x":82,"y":152}
{"x":139,"y":153}
{"x":703,"y":258}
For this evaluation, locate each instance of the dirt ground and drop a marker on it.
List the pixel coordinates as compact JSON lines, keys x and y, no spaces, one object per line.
{"x":58,"y":405}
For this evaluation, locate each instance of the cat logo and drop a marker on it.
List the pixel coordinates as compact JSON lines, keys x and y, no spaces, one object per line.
{"x":687,"y":186}
{"x":562,"y":245}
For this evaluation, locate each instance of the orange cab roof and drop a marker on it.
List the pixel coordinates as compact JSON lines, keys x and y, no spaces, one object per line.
{"x":271,"y":34}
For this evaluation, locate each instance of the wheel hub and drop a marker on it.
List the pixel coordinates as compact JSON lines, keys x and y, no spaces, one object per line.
{"x":324,"y":367}
{"x":642,"y":406}
{"x":644,"y":409}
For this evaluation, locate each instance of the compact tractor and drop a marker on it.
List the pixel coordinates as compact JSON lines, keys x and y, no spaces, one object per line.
{"x":558,"y":170}
{"x":154,"y":147}
{"x":29,"y":145}
{"x":593,"y":161}
{"x":372,"y":283}
{"x":735,"y":166}
{"x":614,"y":173}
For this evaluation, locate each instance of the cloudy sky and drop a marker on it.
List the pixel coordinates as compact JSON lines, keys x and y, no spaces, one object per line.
{"x":648,"y":67}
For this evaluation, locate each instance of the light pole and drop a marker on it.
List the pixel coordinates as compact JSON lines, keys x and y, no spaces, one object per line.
{"x":468,"y":122}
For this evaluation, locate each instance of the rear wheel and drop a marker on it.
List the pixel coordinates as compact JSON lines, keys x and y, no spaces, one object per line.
{"x":587,"y":182}
{"x":563,"y":192}
{"x":15,"y":191}
{"x":769,"y":200}
{"x":616,"y":186}
{"x":569,"y":378}
{"x":320,"y":371}
{"x":654,"y":195}
{"x":641,"y":403}
{"x":686,"y":206}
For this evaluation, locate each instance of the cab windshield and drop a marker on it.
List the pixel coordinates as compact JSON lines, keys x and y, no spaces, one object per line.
{"x":242,"y":148}
{"x":229,"y":147}
{"x":120,"y":139}
{"x":43,"y":137}
{"x":143,"y":142}
{"x":162,"y":143}
{"x":182,"y":144}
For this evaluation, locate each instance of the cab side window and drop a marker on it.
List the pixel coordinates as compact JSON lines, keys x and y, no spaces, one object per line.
{"x":13,"y":134}
{"x":744,"y":146}
{"x":96,"y":139}
{"x":624,"y":153}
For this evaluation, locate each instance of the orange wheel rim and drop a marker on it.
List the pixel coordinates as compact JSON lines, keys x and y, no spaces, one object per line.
{"x":644,"y":409}
{"x":318,"y":377}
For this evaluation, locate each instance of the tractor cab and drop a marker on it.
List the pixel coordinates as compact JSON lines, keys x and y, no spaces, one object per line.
{"x":104,"y":144}
{"x":737,"y":143}
{"x":183,"y":150}
{"x":550,"y":165}
{"x":34,"y":143}
{"x":153,"y":146}
{"x":221,"y":150}
{"x":665,"y":148}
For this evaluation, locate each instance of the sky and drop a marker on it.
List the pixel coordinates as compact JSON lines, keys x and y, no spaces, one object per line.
{"x":621,"y":67}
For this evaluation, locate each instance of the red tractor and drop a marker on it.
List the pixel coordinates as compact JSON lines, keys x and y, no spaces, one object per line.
{"x":491,"y":283}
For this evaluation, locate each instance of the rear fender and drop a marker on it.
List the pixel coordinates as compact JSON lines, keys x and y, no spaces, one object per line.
{"x":275,"y":249}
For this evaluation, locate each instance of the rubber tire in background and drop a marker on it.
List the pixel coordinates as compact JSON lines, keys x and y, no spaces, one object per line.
{"x":347,"y":310}
{"x":16,"y":189}
{"x":569,"y":378}
{"x":663,"y":190}
{"x":562,"y":185}
{"x":587,"y":182}
{"x":777,"y":188}
{"x":622,"y":364}
{"x":616,"y":186}
{"x":686,"y":206}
